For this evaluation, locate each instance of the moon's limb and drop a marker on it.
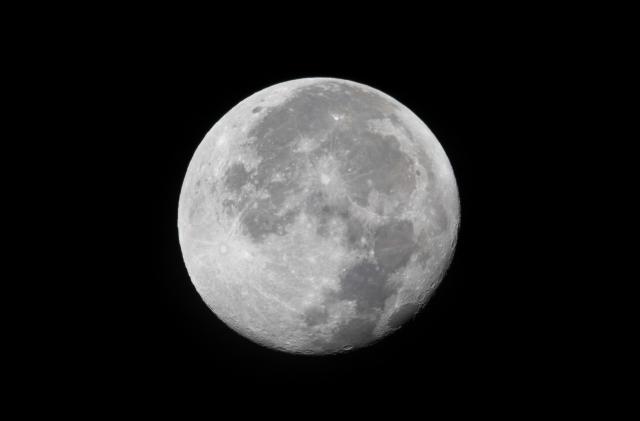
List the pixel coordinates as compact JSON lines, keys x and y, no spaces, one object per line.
{"x":318,"y":215}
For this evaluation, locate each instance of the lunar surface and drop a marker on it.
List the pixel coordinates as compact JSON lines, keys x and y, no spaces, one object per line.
{"x":317,"y":216}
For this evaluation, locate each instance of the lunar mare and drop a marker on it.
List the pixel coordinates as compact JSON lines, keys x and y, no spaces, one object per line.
{"x":317,"y":216}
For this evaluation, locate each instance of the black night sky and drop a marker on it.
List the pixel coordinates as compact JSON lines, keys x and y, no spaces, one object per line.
{"x":477,"y":324}
{"x":137,"y":329}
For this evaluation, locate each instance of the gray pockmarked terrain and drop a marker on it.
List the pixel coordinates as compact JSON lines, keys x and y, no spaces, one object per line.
{"x":317,"y":216}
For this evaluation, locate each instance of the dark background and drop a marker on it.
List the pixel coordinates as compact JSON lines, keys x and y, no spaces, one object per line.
{"x":480,"y":330}
{"x":134,"y":329}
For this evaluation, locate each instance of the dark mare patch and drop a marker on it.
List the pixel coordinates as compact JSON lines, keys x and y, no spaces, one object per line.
{"x":236,"y":177}
{"x":278,"y":192}
{"x":315,"y":316}
{"x":318,"y":206}
{"x":309,"y":113}
{"x":354,"y":333}
{"x":372,"y":161}
{"x":356,"y":231}
{"x":402,"y":314}
{"x":366,"y":284}
{"x":394,"y":245}
{"x":261,"y":221}
{"x":305,"y":113}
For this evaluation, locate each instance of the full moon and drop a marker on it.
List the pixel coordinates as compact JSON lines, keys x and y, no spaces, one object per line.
{"x":317,"y":216}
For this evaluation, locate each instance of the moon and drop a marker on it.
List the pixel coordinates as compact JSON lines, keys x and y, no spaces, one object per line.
{"x":317,"y":216}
